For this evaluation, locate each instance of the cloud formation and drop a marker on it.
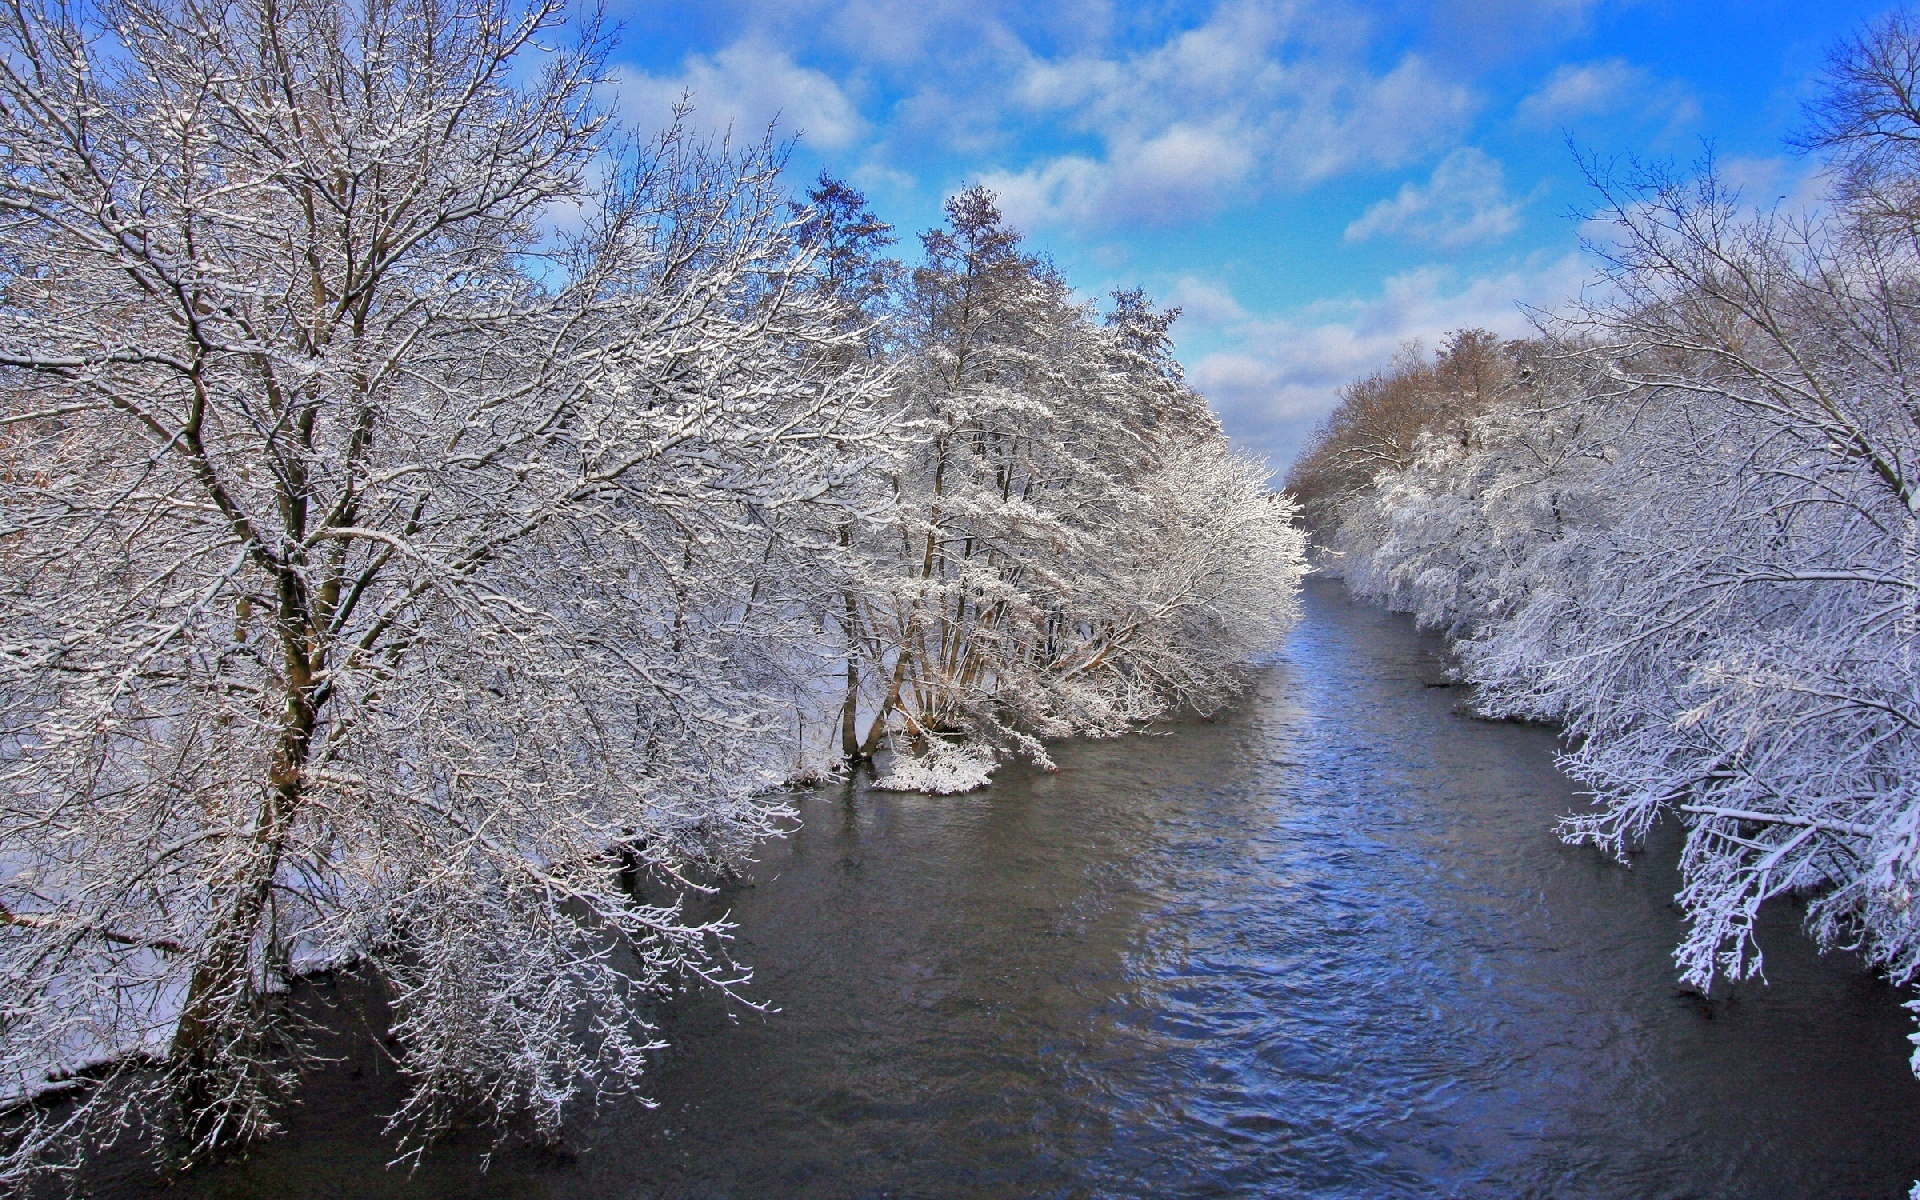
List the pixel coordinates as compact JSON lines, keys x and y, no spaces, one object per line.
{"x":1181,"y":171}
{"x":1251,"y":100}
{"x":1274,"y":378}
{"x":1464,"y":203}
{"x":1611,"y":87}
{"x":1229,"y":139}
{"x":747,"y":86}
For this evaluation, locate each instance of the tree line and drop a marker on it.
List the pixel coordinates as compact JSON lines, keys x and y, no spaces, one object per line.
{"x":432,"y":507}
{"x":1681,"y":522}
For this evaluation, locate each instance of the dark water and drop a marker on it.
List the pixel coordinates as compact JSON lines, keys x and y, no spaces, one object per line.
{"x":1326,"y":946}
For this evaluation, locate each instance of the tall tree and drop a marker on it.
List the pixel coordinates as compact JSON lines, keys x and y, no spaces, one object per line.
{"x":1711,"y":552}
{"x":1038,"y":582}
{"x":851,"y":269}
{"x":1381,"y":419}
{"x":378,"y":560}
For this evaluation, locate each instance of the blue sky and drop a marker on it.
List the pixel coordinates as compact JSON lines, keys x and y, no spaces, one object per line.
{"x":1314,"y":183}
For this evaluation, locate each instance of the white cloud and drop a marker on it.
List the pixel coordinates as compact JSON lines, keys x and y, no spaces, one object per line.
{"x":1576,"y":91}
{"x":916,"y":36}
{"x":1205,"y":304}
{"x":1492,"y":30}
{"x":1610,"y":87}
{"x":1246,"y":101}
{"x":873,"y":177}
{"x":1794,"y":184}
{"x":1465,"y":202}
{"x":1070,"y":124}
{"x":746,"y":86}
{"x":1273,"y":378}
{"x":1180,"y":170}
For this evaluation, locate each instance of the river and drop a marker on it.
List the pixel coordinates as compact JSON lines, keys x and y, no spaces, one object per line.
{"x":1325,"y":946}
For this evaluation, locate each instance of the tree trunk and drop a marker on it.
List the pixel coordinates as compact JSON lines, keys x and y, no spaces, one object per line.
{"x":219,"y":1100}
{"x":849,"y":712}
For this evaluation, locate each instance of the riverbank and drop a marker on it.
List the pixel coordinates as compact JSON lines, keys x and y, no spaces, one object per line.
{"x":1325,"y":946}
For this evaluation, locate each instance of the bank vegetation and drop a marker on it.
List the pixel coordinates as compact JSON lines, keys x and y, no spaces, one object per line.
{"x":432,"y":507}
{"x":1681,"y":522}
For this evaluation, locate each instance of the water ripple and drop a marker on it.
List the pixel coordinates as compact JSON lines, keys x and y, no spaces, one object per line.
{"x":1324,"y":947}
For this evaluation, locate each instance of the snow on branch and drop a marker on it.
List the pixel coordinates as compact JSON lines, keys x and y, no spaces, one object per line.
{"x":438,"y":518}
{"x":1682,"y":523}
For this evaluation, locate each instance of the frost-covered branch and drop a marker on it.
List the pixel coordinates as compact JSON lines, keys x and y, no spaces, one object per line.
{"x":376,"y":584}
{"x":1686,"y":530}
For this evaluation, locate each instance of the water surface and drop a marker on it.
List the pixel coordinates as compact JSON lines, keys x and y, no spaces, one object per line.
{"x":1326,"y":946}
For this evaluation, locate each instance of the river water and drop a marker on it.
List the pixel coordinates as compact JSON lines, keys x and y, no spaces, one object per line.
{"x":1327,"y":945}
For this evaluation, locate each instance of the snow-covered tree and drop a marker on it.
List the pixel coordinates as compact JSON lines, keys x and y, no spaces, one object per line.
{"x":850,"y":270}
{"x":400,"y":468}
{"x":431,"y":511}
{"x":1384,"y":418}
{"x":1728,"y":626}
{"x":1737,"y":647}
{"x":1469,"y":526}
{"x":1075,"y":550}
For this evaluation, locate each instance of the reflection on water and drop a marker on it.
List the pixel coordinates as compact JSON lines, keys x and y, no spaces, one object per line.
{"x":1326,"y":946}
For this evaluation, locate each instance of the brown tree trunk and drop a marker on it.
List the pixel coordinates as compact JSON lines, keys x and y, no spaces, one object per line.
{"x":872,"y":745}
{"x":849,"y":712}
{"x":221,"y":994}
